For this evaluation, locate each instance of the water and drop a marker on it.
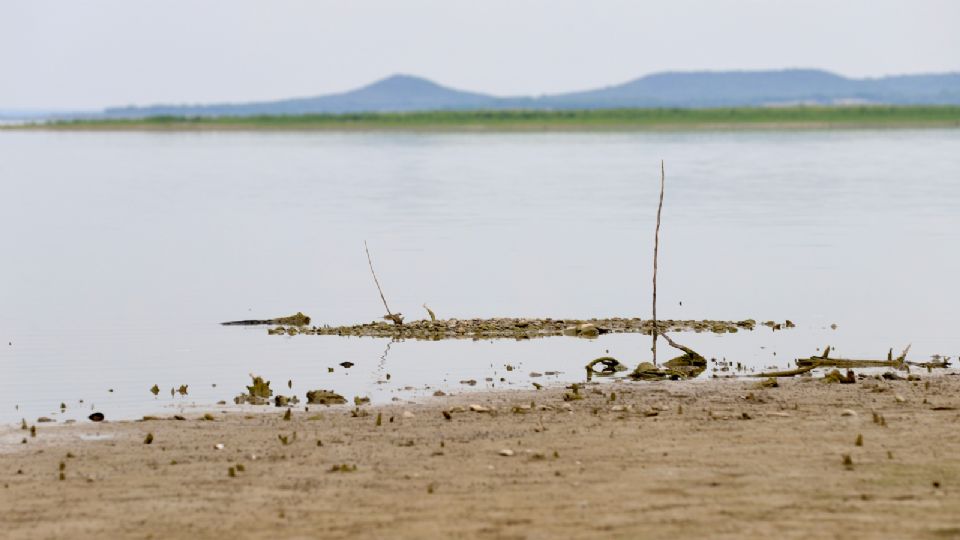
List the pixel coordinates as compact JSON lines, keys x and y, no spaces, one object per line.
{"x":122,"y":252}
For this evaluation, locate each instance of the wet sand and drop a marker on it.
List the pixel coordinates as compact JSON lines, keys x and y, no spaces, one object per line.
{"x":702,"y":458}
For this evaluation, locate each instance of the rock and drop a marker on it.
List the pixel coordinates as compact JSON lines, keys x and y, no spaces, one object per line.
{"x":96,"y":417}
{"x":848,"y":412}
{"x":439,"y":393}
{"x":325,"y":397}
{"x":469,"y":382}
{"x":899,"y":398}
{"x":587,"y":330}
{"x":506,"y":452}
{"x":285,"y":401}
{"x":259,"y":388}
{"x":479,"y":408}
{"x":346,"y":365}
{"x":833,"y":376}
{"x":43,"y":419}
{"x":218,"y":446}
{"x":536,"y":374}
{"x":408,"y":414}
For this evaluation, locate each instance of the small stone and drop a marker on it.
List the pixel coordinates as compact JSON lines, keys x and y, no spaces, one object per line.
{"x":408,"y":414}
{"x":218,"y":446}
{"x":96,"y":417}
{"x":506,"y":452}
{"x":848,"y":412}
{"x":479,"y":408}
{"x":899,"y":398}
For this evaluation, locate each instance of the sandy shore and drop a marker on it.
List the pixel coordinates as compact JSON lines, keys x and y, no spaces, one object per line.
{"x":714,"y":458}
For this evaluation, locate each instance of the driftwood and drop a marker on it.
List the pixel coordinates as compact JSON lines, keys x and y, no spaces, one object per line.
{"x":805,"y":365}
{"x":824,"y":360}
{"x":610,"y":367}
{"x":787,"y":373}
{"x":294,"y":320}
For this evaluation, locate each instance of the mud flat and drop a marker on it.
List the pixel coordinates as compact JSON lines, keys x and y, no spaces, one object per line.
{"x":515,"y":328}
{"x":701,"y":458}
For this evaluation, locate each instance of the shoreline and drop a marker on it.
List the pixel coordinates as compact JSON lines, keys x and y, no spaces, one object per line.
{"x":715,"y":457}
{"x":188,"y":127}
{"x":534,"y":121}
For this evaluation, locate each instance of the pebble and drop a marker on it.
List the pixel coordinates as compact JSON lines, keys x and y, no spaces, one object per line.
{"x":848,"y":412}
{"x":408,"y":414}
{"x":479,"y":408}
{"x":506,"y":452}
{"x":899,"y":398}
{"x":218,"y":446}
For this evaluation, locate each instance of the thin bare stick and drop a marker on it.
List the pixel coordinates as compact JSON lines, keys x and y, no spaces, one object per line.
{"x":656,"y":249}
{"x":398,"y":319}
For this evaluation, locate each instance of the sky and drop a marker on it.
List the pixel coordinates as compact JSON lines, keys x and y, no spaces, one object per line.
{"x":70,"y":54}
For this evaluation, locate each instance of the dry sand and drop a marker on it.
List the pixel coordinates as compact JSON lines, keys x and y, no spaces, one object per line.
{"x":719,"y":459}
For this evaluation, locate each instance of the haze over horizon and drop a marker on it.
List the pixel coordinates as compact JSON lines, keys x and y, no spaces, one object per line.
{"x":105,"y":53}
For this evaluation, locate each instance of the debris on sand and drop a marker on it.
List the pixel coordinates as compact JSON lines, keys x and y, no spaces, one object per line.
{"x":294,"y":320}
{"x":325,"y":397}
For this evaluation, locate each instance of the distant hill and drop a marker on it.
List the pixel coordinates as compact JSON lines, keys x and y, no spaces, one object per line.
{"x":405,"y":93}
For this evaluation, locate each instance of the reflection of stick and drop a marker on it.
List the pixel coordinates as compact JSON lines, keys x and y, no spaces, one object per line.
{"x":656,"y":249}
{"x":398,"y":319}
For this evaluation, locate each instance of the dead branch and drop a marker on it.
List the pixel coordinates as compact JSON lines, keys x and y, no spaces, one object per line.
{"x":824,"y":360}
{"x":433,"y":316}
{"x":788,"y":373}
{"x":397,"y":318}
{"x":656,"y":249}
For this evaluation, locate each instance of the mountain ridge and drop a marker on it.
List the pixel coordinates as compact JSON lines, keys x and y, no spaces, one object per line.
{"x":675,"y":89}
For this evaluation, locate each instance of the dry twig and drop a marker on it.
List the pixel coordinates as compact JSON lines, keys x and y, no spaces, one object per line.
{"x":397,"y":318}
{"x":656,"y":249}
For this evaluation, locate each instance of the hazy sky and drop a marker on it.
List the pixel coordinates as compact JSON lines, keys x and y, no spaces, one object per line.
{"x":95,"y":53}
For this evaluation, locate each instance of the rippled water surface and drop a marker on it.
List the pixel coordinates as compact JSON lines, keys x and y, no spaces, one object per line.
{"x":122,"y":252}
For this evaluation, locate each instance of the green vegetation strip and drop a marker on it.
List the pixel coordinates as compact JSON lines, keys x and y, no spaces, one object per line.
{"x":570,"y":120}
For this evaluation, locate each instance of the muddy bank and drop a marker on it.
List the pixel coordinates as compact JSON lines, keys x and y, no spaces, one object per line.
{"x":515,"y":328}
{"x":714,"y":458}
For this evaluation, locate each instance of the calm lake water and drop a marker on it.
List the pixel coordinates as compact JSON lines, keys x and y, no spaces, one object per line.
{"x":122,"y":252}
